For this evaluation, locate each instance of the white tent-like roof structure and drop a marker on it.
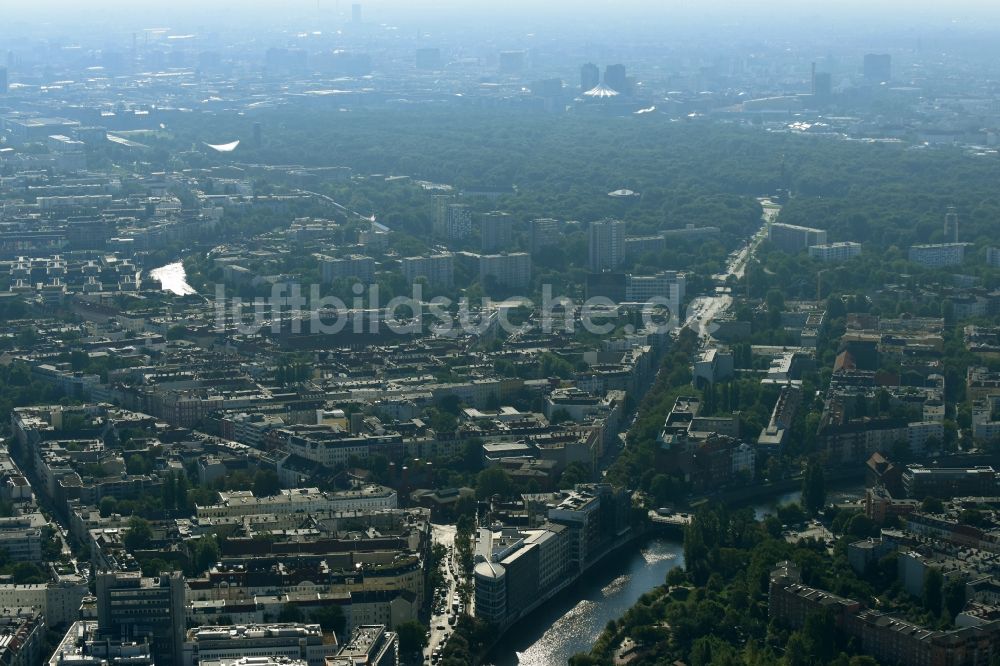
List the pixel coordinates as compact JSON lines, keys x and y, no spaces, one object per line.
{"x":224,"y":147}
{"x":601,"y":92}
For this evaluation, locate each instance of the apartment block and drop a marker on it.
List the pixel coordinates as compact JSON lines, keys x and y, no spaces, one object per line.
{"x":835,"y":251}
{"x":355,"y":267}
{"x":437,"y":269}
{"x":792,"y":238}
{"x":509,"y":270}
{"x":938,"y":255}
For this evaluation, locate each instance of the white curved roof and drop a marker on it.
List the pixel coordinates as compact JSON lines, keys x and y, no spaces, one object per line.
{"x":488,"y":570}
{"x":224,"y":147}
{"x":601,"y":91}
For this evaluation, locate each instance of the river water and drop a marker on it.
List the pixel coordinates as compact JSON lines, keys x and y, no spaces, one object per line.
{"x":572,"y":621}
{"x":841,"y":494}
{"x":172,"y":278}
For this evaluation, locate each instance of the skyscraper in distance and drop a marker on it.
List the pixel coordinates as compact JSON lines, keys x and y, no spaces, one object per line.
{"x":441,"y":203}
{"x":821,"y":85}
{"x":590,"y":77}
{"x":616,"y":78}
{"x":544,"y":233}
{"x":607,"y":245}
{"x":497,"y":231}
{"x":951,"y":225}
{"x":878,"y":67}
{"x":451,"y":220}
{"x":3,"y":80}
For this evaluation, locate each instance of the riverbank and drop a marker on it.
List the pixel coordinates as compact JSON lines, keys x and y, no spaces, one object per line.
{"x":570,"y":619}
{"x":770,"y":490}
{"x":619,"y":544}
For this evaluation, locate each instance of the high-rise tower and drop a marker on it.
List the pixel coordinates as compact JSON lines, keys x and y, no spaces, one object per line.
{"x":951,"y":225}
{"x":607,"y":245}
{"x":590,"y":77}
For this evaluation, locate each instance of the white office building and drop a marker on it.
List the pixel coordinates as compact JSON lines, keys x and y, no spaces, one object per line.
{"x":299,"y":500}
{"x":666,"y":284}
{"x":835,"y":251}
{"x":302,"y":642}
{"x":938,"y":255}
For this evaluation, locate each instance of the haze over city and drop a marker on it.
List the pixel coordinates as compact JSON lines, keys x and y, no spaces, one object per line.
{"x":444,"y":333}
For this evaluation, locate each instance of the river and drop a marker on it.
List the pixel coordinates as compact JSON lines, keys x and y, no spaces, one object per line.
{"x":572,"y":621}
{"x":839,"y":494}
{"x":173,"y":278}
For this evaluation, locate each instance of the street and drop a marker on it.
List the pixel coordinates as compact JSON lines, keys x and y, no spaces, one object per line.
{"x":442,"y":605}
{"x":703,"y":310}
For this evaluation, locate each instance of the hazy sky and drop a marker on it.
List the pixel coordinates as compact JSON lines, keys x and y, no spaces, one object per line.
{"x":615,"y":22}
{"x":901,"y":10}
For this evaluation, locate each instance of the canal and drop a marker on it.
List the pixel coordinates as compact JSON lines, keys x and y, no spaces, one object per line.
{"x":572,"y":621}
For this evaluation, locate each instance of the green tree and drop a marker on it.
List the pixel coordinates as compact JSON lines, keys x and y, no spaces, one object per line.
{"x":51,"y":544}
{"x":266,"y":483}
{"x":176,"y":333}
{"x":291,"y":612}
{"x":932,"y":505}
{"x":107,"y":506}
{"x":138,"y":534}
{"x":206,"y":553}
{"x":862,"y":527}
{"x":973,"y":517}
{"x":819,"y":632}
{"x":676,"y":576}
{"x":791,"y":513}
{"x":169,"y":493}
{"x":933,"y":583}
{"x":954,"y":596}
{"x":775,"y":301}
{"x":472,"y":455}
{"x":412,"y":637}
{"x":137,"y":464}
{"x":155,"y":566}
{"x":575,"y":472}
{"x":862,"y":660}
{"x":584,"y":659}
{"x":182,"y":492}
{"x":493,"y":481}
{"x":813,"y":488}
{"x":797,"y":651}
{"x":25,"y":573}
{"x":379,"y":466}
{"x":330,"y":617}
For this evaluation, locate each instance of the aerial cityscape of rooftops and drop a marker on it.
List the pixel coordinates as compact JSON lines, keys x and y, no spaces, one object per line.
{"x":450,"y":333}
